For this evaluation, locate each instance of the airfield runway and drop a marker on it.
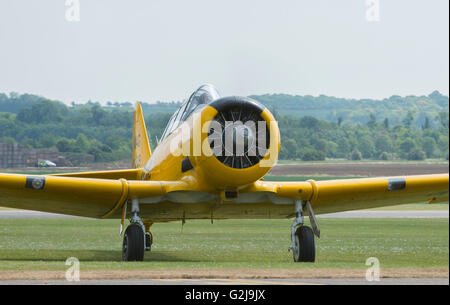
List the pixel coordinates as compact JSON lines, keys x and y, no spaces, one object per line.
{"x":349,"y":214}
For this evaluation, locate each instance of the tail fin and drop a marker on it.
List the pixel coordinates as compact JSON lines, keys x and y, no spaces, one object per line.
{"x":141,"y":146}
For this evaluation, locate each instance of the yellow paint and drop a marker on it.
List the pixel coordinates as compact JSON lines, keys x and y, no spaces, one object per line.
{"x":141,"y":145}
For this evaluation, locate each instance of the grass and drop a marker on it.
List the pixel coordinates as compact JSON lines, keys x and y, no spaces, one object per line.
{"x":45,"y":244}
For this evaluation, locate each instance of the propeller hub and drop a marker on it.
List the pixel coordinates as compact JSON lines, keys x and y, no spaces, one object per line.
{"x":238,"y":134}
{"x":238,"y":139}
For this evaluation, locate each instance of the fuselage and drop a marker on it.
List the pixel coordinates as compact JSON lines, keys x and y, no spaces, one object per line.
{"x":188,"y":145}
{"x":186,"y":155}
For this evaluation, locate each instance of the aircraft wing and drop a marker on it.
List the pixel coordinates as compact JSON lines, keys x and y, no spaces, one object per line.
{"x":97,"y":198}
{"x":352,"y":194}
{"x":102,"y":198}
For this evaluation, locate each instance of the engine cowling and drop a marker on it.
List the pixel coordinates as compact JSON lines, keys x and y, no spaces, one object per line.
{"x":244,"y":142}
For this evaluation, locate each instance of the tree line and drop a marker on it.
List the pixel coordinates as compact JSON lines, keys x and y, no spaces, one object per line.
{"x":106,"y":131}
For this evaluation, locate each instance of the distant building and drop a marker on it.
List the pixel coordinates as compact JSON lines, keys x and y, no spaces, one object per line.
{"x":16,"y":156}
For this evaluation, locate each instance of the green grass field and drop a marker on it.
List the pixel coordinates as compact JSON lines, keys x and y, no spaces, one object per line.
{"x":45,"y":244}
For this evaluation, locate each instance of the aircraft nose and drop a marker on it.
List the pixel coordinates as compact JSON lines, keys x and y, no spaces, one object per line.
{"x":239,"y":136}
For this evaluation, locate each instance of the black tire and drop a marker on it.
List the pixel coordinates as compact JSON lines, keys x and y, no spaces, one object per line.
{"x":307,"y":245}
{"x":133,"y":244}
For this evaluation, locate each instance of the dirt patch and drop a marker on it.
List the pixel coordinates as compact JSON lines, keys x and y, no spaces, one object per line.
{"x":307,"y":273}
{"x":360,"y":169}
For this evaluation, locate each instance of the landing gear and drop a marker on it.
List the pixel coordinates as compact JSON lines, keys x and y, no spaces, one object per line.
{"x":137,"y":237}
{"x":303,"y":242}
{"x":305,"y":245}
{"x":148,"y":242}
{"x":148,"y":236}
{"x":133,"y":244}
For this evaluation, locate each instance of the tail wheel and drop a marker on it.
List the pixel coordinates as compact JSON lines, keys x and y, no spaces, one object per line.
{"x":133,"y":244}
{"x":306,"y":245}
{"x":148,"y":241}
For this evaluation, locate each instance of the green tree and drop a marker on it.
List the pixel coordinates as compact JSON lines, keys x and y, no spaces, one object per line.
{"x":407,"y":145}
{"x":427,"y":123}
{"x":416,"y":154}
{"x":366,"y":147}
{"x":356,"y":155}
{"x":46,"y":141}
{"x":386,"y":123}
{"x":81,"y":144}
{"x":443,"y":119}
{"x":313,"y":155}
{"x":291,"y":148}
{"x":409,"y":119}
{"x":114,"y":141}
{"x":428,"y":146}
{"x":372,"y":123}
{"x":443,"y":143}
{"x":64,"y":145}
{"x":385,"y":156}
{"x":343,"y":147}
{"x":383,"y":143}
{"x":43,"y":112}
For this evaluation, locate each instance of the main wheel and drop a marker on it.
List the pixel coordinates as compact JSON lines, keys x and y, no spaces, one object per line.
{"x":133,"y":244}
{"x":306,"y":245}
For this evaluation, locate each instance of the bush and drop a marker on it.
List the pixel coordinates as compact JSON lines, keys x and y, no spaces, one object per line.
{"x":385,"y":156}
{"x":64,"y":145}
{"x":355,"y":155}
{"x":313,"y":155}
{"x":417,"y":155}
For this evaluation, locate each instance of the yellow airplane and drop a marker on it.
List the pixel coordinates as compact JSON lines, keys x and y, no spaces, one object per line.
{"x":209,"y":164}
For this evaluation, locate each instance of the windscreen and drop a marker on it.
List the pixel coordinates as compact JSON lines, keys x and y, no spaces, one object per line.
{"x":199,"y":99}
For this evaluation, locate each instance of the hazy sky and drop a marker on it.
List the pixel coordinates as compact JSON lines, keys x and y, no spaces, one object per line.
{"x":163,"y":49}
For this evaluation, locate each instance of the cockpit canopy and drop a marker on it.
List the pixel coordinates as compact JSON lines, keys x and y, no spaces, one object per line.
{"x":200,"y":98}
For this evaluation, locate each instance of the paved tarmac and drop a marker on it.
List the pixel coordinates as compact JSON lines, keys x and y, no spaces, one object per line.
{"x":348,"y":281}
{"x":387,"y":214}
{"x":349,"y":214}
{"x":30,"y":214}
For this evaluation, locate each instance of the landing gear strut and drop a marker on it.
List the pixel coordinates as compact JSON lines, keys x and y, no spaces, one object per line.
{"x":137,"y":237}
{"x":303,"y":242}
